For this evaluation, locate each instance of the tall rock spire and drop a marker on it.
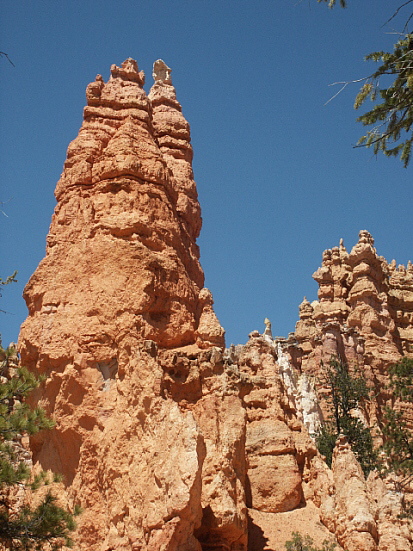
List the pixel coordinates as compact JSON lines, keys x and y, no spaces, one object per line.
{"x":120,"y":287}
{"x":162,"y":438}
{"x":173,"y":136}
{"x":121,"y":255}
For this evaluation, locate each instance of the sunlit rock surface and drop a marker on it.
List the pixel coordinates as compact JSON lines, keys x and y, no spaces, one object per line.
{"x":167,"y":440}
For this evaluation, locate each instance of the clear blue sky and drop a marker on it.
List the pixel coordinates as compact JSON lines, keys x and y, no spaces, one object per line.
{"x":277,"y":176}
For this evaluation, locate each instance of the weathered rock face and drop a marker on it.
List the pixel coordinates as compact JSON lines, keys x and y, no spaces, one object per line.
{"x":364,"y":315}
{"x":121,"y":278}
{"x":167,"y":441}
{"x":355,"y":524}
{"x":364,"y":311}
{"x":121,"y":251}
{"x":394,"y":530}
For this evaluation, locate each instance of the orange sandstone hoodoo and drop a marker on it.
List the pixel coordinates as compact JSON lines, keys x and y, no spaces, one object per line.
{"x":168,"y":441}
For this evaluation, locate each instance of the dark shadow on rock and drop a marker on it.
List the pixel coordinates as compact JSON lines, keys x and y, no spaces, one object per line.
{"x":256,"y":539}
{"x":248,"y":496}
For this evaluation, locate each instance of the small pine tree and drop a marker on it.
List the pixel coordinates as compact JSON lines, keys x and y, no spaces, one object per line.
{"x":398,"y":438}
{"x":46,"y":525}
{"x":346,"y":393}
{"x":26,"y":528}
{"x":305,"y":543}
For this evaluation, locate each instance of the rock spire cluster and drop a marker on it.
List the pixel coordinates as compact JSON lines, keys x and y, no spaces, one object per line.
{"x":363,"y":315}
{"x":364,"y":311}
{"x":167,"y":440}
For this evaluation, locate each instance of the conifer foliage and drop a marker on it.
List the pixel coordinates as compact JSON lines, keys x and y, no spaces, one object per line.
{"x":346,"y":392}
{"x":45,"y":526}
{"x":398,"y":439}
{"x":391,"y":117}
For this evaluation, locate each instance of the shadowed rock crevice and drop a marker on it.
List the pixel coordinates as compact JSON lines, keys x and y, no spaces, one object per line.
{"x":256,"y":539}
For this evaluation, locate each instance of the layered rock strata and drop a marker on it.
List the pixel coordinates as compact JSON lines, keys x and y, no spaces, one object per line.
{"x":122,"y":277}
{"x":121,"y":250}
{"x":165,"y":439}
{"x":363,"y":315}
{"x":364,"y":311}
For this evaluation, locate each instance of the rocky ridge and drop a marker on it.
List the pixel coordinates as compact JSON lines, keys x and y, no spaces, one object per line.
{"x":364,"y":315}
{"x":167,"y":440}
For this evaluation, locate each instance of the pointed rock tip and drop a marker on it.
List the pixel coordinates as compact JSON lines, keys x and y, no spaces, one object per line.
{"x":305,"y":307}
{"x":161,"y":72}
{"x":326,"y":255}
{"x":366,"y":237}
{"x":129,"y":70}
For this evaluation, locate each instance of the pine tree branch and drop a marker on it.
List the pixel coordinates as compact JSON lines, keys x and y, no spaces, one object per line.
{"x":7,"y":57}
{"x":398,"y":11}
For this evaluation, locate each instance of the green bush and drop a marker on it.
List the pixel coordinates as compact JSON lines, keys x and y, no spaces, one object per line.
{"x":305,"y":543}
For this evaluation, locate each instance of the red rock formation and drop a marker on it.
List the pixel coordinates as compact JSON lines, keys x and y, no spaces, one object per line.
{"x":166,"y":441}
{"x":394,"y":530}
{"x":363,"y":313}
{"x":121,"y":253}
{"x":355,"y":526}
{"x":122,"y":277}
